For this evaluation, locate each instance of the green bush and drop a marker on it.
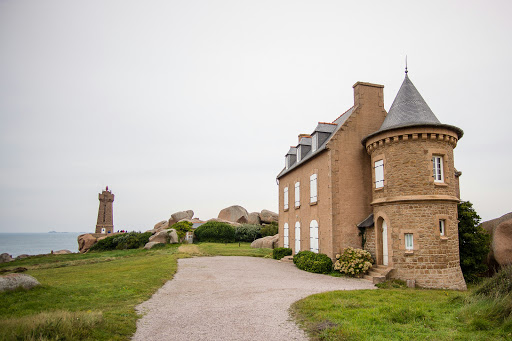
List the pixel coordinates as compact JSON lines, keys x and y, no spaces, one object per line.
{"x":215,"y":232}
{"x":131,"y":240}
{"x":500,"y":285}
{"x":474,"y":243}
{"x":247,"y":233}
{"x":269,"y":230}
{"x":182,"y":228}
{"x":280,"y":252}
{"x":353,"y":262}
{"x":313,"y":262}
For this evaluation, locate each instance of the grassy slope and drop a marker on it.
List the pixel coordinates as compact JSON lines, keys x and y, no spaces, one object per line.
{"x":389,"y":314}
{"x":105,"y":284}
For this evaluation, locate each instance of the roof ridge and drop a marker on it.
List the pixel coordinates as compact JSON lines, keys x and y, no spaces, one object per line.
{"x":330,"y":122}
{"x":343,"y":114}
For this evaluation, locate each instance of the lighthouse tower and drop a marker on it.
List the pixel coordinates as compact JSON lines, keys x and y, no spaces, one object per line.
{"x":415,"y":193}
{"x":105,"y":222}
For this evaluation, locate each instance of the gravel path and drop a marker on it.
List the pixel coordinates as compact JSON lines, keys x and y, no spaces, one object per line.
{"x":232,"y":298}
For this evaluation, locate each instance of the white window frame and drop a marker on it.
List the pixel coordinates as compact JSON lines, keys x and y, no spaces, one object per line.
{"x":442,"y":227}
{"x":297,"y":194}
{"x":299,"y":153}
{"x":285,"y":198}
{"x":287,"y":161}
{"x":286,"y":234}
{"x":297,"y":237}
{"x":313,"y":236}
{"x":379,"y":173}
{"x":409,"y":241}
{"x":438,"y":168}
{"x":314,"y":143}
{"x":313,"y":188}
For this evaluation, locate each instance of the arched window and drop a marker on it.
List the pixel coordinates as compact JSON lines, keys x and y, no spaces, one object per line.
{"x":297,"y":237}
{"x":313,"y":236}
{"x":286,"y":233}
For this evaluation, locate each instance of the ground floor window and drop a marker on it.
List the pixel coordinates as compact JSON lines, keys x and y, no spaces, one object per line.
{"x":313,"y":236}
{"x":297,"y":237}
{"x":285,"y":234}
{"x":409,"y":243}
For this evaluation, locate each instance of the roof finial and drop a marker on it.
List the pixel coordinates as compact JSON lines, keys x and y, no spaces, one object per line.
{"x":406,"y":64}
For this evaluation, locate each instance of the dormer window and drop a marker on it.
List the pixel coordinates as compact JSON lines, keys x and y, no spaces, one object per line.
{"x":299,"y":153}
{"x":314,"y":143}
{"x":287,"y":161}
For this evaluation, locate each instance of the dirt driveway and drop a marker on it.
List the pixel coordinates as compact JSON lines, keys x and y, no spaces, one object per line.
{"x":232,"y":298}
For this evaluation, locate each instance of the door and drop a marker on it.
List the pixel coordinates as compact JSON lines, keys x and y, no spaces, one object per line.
{"x":384,"y":243}
{"x":297,"y":237}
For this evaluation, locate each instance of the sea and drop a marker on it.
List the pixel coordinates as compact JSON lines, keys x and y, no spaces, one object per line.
{"x":17,"y":244}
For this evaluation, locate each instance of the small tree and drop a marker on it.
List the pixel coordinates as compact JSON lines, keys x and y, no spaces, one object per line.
{"x":474,"y":242}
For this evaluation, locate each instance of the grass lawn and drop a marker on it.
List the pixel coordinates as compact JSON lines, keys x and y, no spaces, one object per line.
{"x":391,"y":314}
{"x":92,"y":296}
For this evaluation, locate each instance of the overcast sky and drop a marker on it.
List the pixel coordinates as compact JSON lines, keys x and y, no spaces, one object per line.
{"x":192,"y":104}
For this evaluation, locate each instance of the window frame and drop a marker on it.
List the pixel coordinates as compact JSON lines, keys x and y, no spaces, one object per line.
{"x":378,"y":167}
{"x":314,"y":143}
{"x":407,"y":240}
{"x":442,"y":227}
{"x":297,"y":194}
{"x":438,"y":168}
{"x":286,"y":198}
{"x":286,"y":235}
{"x":299,"y":153}
{"x":314,"y":237}
{"x":313,"y":188}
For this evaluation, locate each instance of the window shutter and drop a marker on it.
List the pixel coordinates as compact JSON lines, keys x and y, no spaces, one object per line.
{"x":313,"y":236}
{"x":313,"y":188}
{"x":286,"y":198}
{"x":379,"y":174}
{"x":286,"y":235}
{"x":297,"y":194}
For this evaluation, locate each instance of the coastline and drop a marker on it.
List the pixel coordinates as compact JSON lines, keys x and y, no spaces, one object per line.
{"x":16,"y":244}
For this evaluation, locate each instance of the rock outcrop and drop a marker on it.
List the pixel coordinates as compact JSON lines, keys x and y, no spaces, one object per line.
{"x":502,"y":243}
{"x":85,"y":241}
{"x":5,"y":257}
{"x":254,"y":218}
{"x":175,"y":217}
{"x":62,"y":252}
{"x":268,"y":217}
{"x":150,"y":245}
{"x":166,"y":236}
{"x":269,"y":242}
{"x":161,"y":225}
{"x":16,"y":280}
{"x":234,"y":213}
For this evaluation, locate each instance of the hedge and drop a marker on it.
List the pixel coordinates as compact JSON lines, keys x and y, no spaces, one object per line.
{"x":313,"y":262}
{"x":215,"y":232}
{"x":280,"y":252}
{"x":131,"y":240}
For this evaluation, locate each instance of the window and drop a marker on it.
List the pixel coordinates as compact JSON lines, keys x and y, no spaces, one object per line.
{"x":438,"y":168}
{"x":313,"y":189}
{"x":314,"y":143}
{"x":379,"y":174}
{"x":299,"y":153}
{"x":442,"y":224}
{"x":409,"y":244}
{"x":297,"y":194}
{"x":285,"y":198}
{"x":297,"y":237}
{"x":313,"y":236}
{"x":287,"y":161}
{"x":286,"y":234}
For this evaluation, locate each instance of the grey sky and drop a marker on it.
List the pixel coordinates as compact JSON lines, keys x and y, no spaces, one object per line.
{"x":193,"y":104}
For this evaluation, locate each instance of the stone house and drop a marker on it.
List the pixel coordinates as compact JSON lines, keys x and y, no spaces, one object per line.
{"x":385,"y":182}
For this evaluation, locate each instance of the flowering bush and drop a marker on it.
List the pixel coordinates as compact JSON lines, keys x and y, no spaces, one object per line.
{"x":353,"y":262}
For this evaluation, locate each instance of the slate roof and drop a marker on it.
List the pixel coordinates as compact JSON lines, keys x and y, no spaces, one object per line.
{"x":330,"y":128}
{"x":368,"y":222}
{"x":409,"y":109}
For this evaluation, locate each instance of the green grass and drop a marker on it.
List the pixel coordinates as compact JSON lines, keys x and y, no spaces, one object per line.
{"x":93,"y":296}
{"x":392,"y":314}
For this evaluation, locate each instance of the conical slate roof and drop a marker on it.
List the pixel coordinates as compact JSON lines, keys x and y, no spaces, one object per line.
{"x":408,"y":109}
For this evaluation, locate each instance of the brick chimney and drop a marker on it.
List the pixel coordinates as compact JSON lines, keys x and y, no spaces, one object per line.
{"x":368,"y":93}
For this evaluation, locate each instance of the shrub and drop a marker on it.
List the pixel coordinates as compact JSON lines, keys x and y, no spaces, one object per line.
{"x":182,"y":228}
{"x":313,"y":262}
{"x":280,"y":252}
{"x":215,"y":232}
{"x":500,"y":285}
{"x":474,"y":242}
{"x":353,"y":262}
{"x":269,"y":230}
{"x":247,"y":233}
{"x":131,"y":240}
